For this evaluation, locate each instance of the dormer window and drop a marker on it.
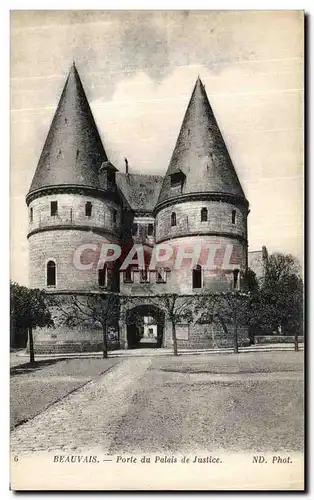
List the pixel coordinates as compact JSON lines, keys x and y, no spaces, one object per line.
{"x":107,"y":174}
{"x":233,"y":216}
{"x":88,"y":209}
{"x":176,"y":181}
{"x":173,"y":219}
{"x":53,"y":208}
{"x":111,"y":176}
{"x":204,"y":214}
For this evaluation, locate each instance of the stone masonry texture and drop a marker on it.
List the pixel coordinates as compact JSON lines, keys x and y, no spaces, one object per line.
{"x":74,"y":169}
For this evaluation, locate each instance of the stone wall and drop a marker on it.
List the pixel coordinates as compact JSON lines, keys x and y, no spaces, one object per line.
{"x":62,"y":339}
{"x":180,"y":280}
{"x":276,"y":339}
{"x":206,"y":336}
{"x":188,"y":219}
{"x":71,"y":347}
{"x":60,"y":245}
{"x":71,"y":211}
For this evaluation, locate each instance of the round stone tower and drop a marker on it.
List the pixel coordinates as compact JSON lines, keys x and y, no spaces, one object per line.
{"x":73,"y":202}
{"x":202,"y":206}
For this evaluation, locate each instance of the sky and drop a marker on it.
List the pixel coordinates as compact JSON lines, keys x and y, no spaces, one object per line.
{"x":138,"y":69}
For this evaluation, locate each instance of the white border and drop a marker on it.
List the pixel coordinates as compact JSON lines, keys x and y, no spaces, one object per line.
{"x":4,"y":198}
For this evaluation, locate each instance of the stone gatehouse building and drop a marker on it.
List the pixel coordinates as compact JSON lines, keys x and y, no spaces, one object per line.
{"x":78,"y":197}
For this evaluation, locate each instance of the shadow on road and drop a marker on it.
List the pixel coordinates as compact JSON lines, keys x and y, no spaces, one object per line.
{"x":29,"y":368}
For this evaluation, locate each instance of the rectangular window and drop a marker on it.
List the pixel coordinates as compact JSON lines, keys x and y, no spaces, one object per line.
{"x":135,"y":229}
{"x":102,"y":277}
{"x":204,"y":214}
{"x":88,"y":209}
{"x":236,"y":279}
{"x":150,"y":229}
{"x":233,"y":216}
{"x":31,"y":214}
{"x":197,"y":277}
{"x":144,"y":276}
{"x":127,"y":276}
{"x":114,"y":216}
{"x":53,"y":208}
{"x":161,"y":276}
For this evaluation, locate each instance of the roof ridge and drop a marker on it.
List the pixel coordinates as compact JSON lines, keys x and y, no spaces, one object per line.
{"x":139,"y":174}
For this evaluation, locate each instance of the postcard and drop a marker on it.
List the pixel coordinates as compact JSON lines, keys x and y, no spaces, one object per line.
{"x":156,"y":319}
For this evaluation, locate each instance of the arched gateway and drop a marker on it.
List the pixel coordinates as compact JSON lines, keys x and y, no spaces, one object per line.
{"x":144,"y":326}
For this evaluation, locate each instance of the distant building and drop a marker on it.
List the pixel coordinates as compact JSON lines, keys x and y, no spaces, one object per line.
{"x":77,"y":197}
{"x":257,"y":261}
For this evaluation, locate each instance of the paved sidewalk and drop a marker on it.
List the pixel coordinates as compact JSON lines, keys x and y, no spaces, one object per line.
{"x":18,"y":358}
{"x":21,"y":357}
{"x":85,"y":418}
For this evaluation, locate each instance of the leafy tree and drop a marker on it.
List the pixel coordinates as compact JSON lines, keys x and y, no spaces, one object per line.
{"x":226,"y":308}
{"x":249,"y":282}
{"x":282,"y":294}
{"x":97,"y":308}
{"x":29,"y":309}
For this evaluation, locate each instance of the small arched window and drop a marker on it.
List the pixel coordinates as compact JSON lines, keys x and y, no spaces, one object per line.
{"x":197,"y":277}
{"x":51,"y":273}
{"x":88,"y":209}
{"x":204,"y":214}
{"x":173,"y":219}
{"x":102,"y":276}
{"x":233,"y":216}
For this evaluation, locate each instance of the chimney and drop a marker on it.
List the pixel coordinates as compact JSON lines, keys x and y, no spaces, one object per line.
{"x":126,"y":165}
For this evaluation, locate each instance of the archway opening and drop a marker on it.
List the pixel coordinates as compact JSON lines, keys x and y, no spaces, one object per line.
{"x":145,"y":327}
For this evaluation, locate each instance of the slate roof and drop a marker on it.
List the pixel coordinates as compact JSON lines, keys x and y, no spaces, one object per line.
{"x":200,"y":153}
{"x":140,"y":191}
{"x":73,"y":151}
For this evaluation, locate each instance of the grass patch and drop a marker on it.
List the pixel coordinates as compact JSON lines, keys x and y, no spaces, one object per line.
{"x":36,"y":387}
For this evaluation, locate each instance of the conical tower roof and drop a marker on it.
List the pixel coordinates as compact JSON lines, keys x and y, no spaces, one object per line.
{"x":73,"y":151}
{"x":200,"y":155}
